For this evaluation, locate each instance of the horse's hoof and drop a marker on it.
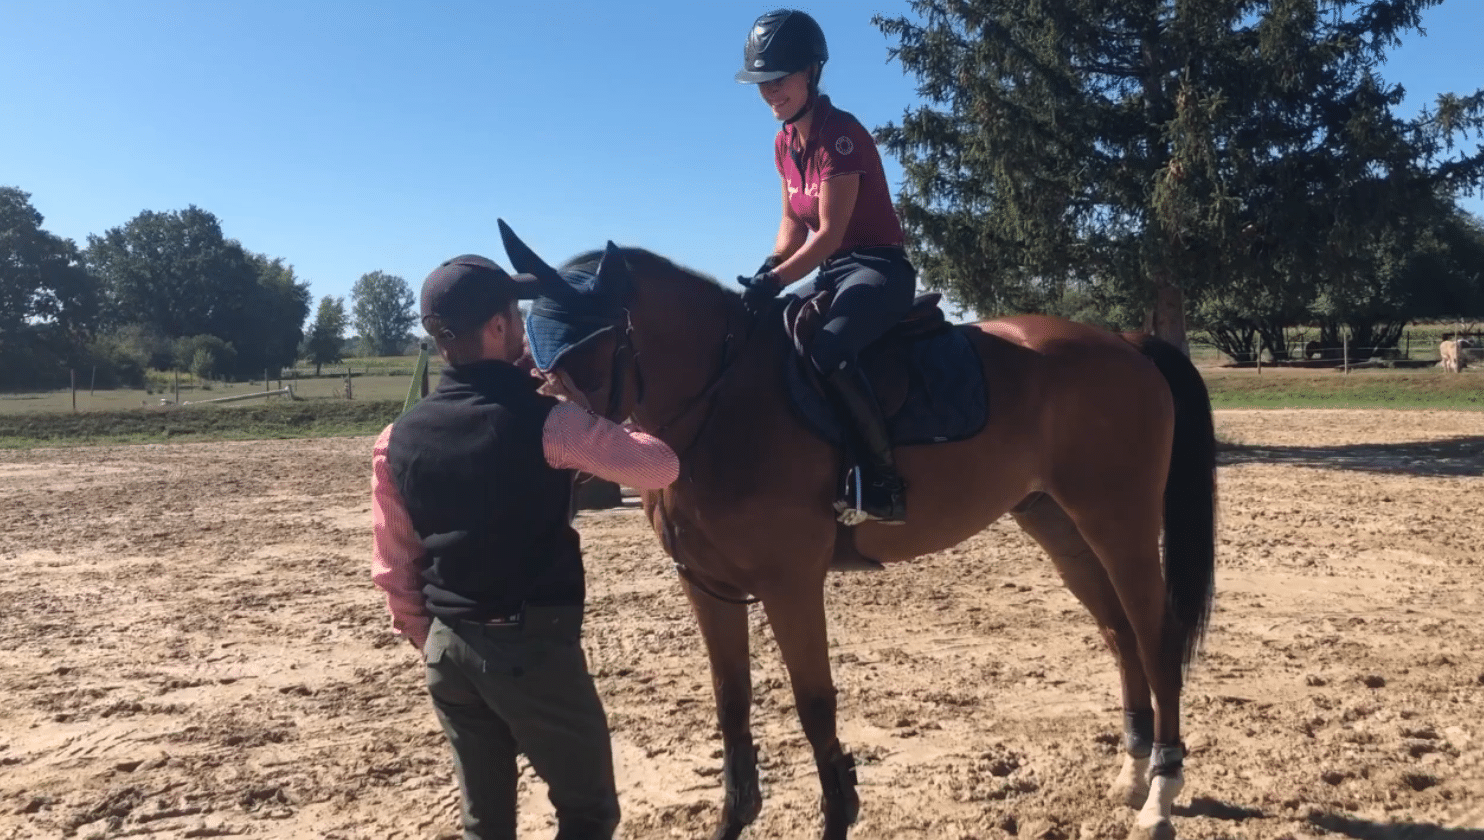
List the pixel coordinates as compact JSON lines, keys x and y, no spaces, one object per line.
{"x":1131,"y":793}
{"x":1131,"y":788}
{"x":837,"y":821}
{"x":1160,"y":829}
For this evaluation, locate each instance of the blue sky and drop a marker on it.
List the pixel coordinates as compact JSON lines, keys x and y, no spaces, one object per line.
{"x":348,"y":137}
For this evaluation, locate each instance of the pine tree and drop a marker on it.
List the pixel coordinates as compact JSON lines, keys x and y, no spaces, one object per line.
{"x":1157,"y":150}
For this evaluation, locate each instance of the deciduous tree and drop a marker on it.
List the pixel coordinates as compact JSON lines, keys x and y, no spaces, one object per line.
{"x":382,"y":309}
{"x":326,"y":340}
{"x":176,"y":275}
{"x":48,"y":300}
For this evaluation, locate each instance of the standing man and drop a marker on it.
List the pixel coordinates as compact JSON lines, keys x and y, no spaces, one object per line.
{"x":482,"y":569}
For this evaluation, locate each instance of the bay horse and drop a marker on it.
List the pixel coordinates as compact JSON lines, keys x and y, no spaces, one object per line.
{"x":1100,"y":445}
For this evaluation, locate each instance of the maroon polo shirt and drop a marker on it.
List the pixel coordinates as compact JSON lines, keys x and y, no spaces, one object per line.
{"x":838,"y":145}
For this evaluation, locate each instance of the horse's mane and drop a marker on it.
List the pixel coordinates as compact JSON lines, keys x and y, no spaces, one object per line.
{"x":649,"y":264}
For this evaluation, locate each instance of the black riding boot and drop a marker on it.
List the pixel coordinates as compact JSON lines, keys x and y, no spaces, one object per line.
{"x":883,"y":494}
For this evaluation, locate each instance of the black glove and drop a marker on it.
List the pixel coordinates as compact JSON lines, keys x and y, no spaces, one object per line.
{"x":761,"y":289}
{"x":762,"y":286}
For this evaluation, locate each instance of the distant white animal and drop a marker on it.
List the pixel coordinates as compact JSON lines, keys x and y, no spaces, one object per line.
{"x":1454,"y":359}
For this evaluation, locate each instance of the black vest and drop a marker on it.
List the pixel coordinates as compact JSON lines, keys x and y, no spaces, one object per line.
{"x":493,"y":517}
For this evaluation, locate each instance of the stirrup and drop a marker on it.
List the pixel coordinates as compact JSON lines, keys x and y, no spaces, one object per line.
{"x":850,"y":509}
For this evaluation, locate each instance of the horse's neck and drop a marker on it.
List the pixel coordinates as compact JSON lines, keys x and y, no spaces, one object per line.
{"x":682,"y":326}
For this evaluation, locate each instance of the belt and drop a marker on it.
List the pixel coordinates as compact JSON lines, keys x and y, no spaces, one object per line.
{"x":846,"y":253}
{"x":561,"y":620}
{"x":512,"y":620}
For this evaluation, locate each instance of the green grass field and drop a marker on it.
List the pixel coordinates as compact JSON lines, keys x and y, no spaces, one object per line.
{"x":380,"y":385}
{"x":1332,"y":388}
{"x":319,"y":408}
{"x":364,"y":387}
{"x":299,"y":419}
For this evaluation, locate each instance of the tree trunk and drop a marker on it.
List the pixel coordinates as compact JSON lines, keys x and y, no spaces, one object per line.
{"x":1166,"y":315}
{"x":1235,"y":341}
{"x":1274,"y":339}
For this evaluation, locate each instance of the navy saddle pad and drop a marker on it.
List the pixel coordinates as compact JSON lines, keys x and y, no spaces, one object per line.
{"x":942,"y":399}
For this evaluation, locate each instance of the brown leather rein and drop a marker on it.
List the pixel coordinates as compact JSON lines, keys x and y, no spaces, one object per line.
{"x":725,"y":364}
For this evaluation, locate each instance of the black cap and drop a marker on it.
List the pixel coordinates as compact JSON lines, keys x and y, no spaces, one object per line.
{"x":781,"y":42}
{"x":466,"y":291}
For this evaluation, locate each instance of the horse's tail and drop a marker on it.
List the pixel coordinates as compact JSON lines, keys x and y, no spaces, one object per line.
{"x":1190,"y":502}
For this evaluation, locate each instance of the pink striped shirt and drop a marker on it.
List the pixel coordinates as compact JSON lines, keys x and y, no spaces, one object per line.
{"x":572,"y":438}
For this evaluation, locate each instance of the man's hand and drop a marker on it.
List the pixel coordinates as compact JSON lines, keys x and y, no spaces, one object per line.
{"x":525,"y":362}
{"x":559,"y":385}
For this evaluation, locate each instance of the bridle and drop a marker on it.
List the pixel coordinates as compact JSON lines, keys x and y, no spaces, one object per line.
{"x":725,"y":364}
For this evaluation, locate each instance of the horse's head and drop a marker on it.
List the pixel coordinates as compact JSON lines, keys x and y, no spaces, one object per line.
{"x":580,"y":323}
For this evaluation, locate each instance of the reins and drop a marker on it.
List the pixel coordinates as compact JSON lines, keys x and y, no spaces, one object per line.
{"x":667,"y":536}
{"x":725,"y":364}
{"x":708,"y":393}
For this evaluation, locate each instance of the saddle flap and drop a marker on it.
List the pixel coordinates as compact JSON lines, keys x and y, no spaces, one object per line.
{"x":923,"y":305}
{"x":802,"y":318}
{"x":924,"y":319}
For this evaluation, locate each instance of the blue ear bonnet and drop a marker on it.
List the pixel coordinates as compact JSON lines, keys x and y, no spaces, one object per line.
{"x":558,"y":324}
{"x":575,"y":305}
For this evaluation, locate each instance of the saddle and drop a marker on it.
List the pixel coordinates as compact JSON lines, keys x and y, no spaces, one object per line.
{"x":926,"y":373}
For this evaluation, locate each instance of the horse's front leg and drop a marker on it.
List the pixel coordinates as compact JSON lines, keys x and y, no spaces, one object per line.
{"x":796,"y":612}
{"x":724,"y":627}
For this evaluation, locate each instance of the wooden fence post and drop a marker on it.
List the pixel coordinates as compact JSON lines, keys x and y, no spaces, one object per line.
{"x":92,"y":386}
{"x":73,"y":373}
{"x":1345,"y":350}
{"x":425,"y":369}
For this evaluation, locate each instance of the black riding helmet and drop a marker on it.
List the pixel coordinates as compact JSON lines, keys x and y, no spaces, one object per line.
{"x":781,"y":42}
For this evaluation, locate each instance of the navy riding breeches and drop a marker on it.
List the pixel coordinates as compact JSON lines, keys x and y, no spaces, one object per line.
{"x":874,"y":288}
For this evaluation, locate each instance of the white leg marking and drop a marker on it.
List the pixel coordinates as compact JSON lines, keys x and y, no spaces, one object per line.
{"x":1131,"y":788}
{"x":1153,"y":821}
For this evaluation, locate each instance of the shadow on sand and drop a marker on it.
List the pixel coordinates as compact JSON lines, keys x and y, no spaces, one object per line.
{"x":1205,"y":806}
{"x":1360,"y":829}
{"x":1367,"y":830}
{"x":1457,"y":456}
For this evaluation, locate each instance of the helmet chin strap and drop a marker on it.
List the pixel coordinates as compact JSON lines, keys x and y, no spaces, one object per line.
{"x":813,"y":96}
{"x":808,"y":106}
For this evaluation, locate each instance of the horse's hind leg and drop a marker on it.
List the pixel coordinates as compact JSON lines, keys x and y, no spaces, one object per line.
{"x":1083,"y":573}
{"x":795,"y":608}
{"x":724,"y":628}
{"x":1123,"y":531}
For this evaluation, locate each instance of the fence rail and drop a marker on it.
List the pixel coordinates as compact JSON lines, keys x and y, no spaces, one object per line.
{"x":1416,"y":348}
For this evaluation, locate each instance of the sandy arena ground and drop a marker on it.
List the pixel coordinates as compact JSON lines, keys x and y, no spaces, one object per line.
{"x":190,"y":647}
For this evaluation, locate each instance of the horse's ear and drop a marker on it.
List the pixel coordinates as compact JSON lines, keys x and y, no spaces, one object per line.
{"x":525,"y":261}
{"x":613,"y":280}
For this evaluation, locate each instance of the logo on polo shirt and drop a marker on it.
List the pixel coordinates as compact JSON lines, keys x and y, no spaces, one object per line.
{"x":810,"y":190}
{"x":844,"y":145}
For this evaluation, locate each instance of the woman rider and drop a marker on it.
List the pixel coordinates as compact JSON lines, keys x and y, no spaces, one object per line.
{"x":835,"y":189}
